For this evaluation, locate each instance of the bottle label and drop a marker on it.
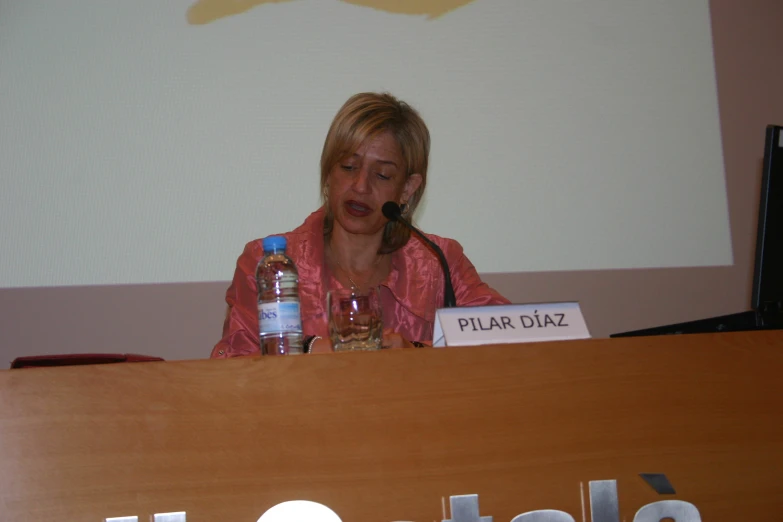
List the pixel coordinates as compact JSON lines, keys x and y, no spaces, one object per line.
{"x":279,"y":317}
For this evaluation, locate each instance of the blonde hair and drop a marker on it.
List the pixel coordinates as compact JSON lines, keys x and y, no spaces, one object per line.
{"x":366,"y":115}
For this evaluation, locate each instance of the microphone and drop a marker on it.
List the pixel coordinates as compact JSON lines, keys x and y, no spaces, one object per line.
{"x":392,"y":212}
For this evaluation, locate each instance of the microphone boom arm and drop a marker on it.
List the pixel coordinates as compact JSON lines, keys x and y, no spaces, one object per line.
{"x":392,"y":212}
{"x":449,"y":300}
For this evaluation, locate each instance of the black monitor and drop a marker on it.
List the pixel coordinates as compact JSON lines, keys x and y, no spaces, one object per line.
{"x":768,"y":274}
{"x":767,"y":303}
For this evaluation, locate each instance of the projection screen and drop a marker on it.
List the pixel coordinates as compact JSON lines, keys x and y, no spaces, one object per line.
{"x":148,"y":141}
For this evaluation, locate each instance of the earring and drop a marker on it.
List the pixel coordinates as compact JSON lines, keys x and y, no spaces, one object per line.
{"x":403,"y":208}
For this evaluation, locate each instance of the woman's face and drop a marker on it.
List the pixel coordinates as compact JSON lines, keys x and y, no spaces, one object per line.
{"x":360,"y":184}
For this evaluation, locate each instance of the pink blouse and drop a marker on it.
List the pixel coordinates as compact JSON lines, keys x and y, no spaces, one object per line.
{"x":410,"y":295}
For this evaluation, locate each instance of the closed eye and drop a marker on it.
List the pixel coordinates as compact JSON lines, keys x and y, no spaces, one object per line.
{"x":383,"y":176}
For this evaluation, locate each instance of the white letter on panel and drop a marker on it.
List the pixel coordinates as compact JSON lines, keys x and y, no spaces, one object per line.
{"x":604,"y":503}
{"x":678,"y":510}
{"x":298,"y":510}
{"x":544,"y":515}
{"x":465,"y":508}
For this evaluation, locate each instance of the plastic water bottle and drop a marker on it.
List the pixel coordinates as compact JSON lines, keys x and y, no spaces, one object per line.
{"x":279,"y":319}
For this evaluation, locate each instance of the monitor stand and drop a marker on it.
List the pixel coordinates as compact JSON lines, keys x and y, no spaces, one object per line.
{"x":741,"y":322}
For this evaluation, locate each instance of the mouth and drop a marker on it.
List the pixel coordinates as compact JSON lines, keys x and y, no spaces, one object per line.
{"x":357,"y":208}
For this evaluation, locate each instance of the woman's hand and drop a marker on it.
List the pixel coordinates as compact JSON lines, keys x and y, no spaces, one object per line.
{"x":321,"y":345}
{"x":392,"y":339}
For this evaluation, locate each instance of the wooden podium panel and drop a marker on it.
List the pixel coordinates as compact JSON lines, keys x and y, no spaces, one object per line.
{"x":384,"y":436}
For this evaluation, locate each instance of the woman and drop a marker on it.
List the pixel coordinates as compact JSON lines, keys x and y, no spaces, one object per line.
{"x":377,"y":150}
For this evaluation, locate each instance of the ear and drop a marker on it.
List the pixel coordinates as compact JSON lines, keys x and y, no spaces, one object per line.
{"x":411,"y":186}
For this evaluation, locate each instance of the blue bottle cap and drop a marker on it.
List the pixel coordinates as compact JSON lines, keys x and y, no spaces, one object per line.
{"x":274,"y":243}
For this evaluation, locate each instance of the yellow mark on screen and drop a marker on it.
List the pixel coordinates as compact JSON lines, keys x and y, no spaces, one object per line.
{"x":206,"y":11}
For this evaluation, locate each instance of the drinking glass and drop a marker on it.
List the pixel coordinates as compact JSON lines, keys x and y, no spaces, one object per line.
{"x":355,"y":319}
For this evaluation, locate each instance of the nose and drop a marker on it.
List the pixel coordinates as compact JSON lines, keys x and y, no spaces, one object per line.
{"x":361,"y":183}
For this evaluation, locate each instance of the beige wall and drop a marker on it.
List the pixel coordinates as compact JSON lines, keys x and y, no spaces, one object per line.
{"x":182,"y":321}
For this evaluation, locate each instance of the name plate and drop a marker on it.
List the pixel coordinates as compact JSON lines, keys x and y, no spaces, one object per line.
{"x":509,"y":324}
